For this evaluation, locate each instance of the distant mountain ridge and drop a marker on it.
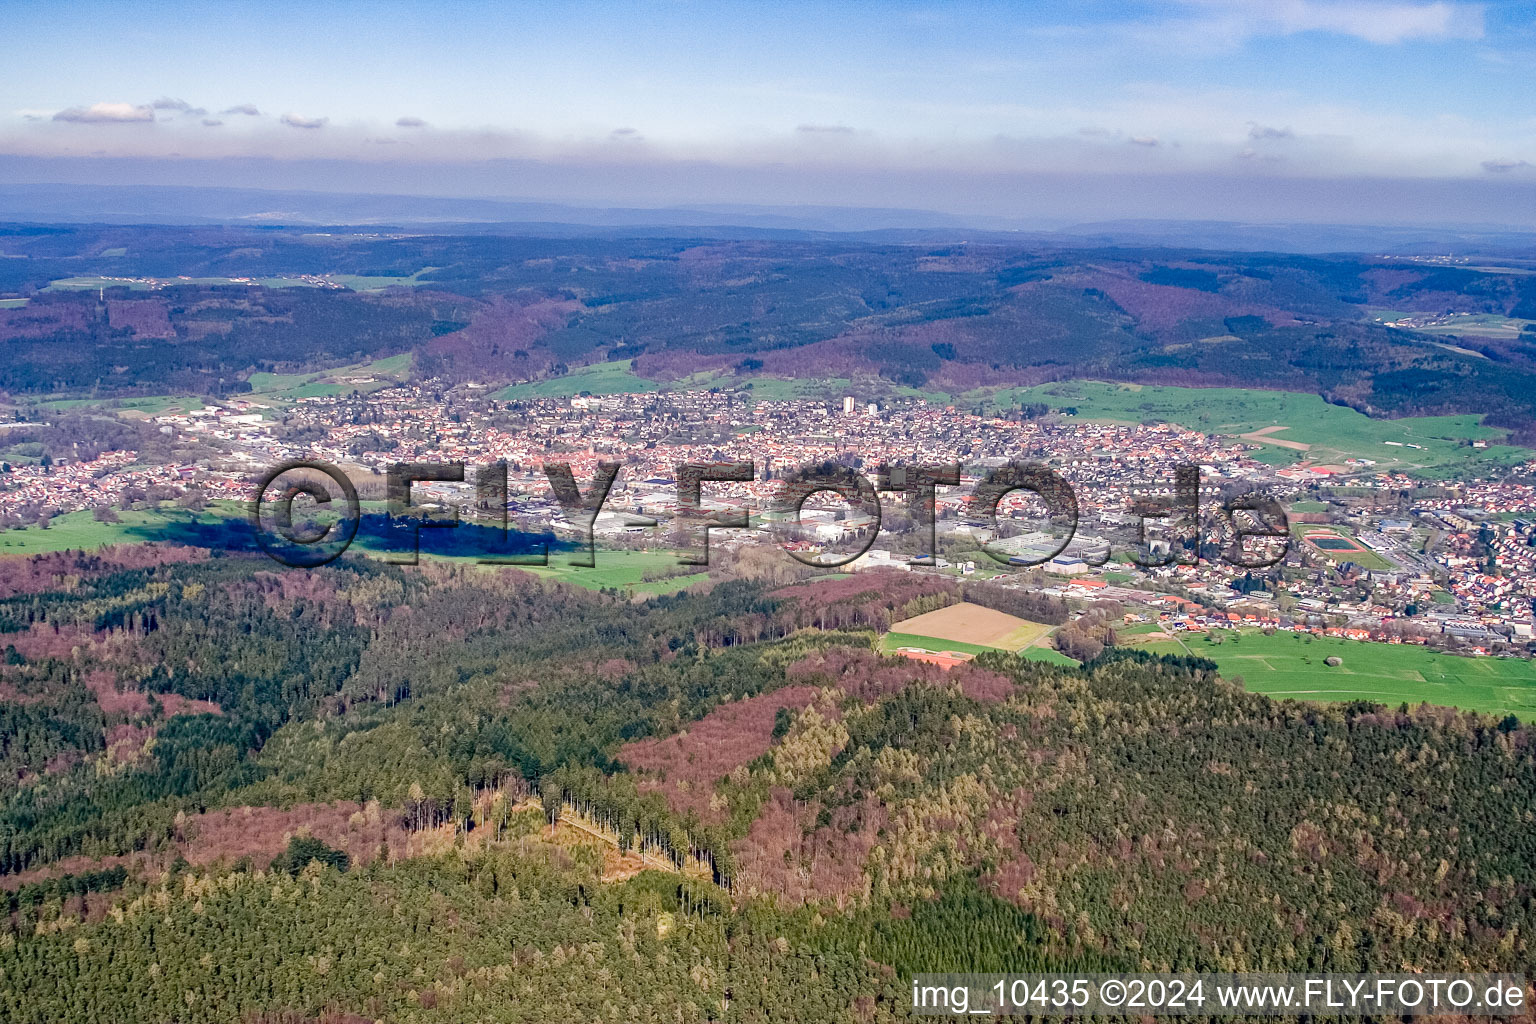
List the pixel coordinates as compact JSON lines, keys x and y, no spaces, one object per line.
{"x":184,"y":205}
{"x":145,"y":204}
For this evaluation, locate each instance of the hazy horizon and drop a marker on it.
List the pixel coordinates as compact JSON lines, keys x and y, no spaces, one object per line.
{"x":1392,"y":112}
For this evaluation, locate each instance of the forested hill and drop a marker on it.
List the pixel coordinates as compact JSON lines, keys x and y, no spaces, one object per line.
{"x":365,"y":792}
{"x":144,"y":310}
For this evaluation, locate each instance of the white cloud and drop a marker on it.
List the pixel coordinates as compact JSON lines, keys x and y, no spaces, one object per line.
{"x":248,"y":109}
{"x":1264,"y":131}
{"x":1383,"y":22}
{"x":1142,"y":125}
{"x":106,"y":113}
{"x":180,"y":106}
{"x":410,"y":122}
{"x":300,"y":121}
{"x":1504,"y":166}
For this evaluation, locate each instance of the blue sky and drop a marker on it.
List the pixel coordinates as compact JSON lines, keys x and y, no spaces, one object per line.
{"x":912,"y":94}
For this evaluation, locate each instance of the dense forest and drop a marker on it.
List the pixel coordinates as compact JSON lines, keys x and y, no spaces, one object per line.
{"x":235,"y":793}
{"x":945,"y":317}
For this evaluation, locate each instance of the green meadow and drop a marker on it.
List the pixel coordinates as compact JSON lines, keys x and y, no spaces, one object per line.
{"x":1291,"y":665}
{"x":624,"y":570}
{"x":290,"y":387}
{"x":613,"y":378}
{"x":784,"y":389}
{"x":1333,"y":432}
{"x":779,"y":389}
{"x":769,"y":388}
{"x":363,"y":283}
{"x":79,"y":531}
{"x":891,"y":641}
{"x":158,"y":405}
{"x":66,"y":284}
{"x":146,"y":405}
{"x":1049,"y":655}
{"x":278,"y":388}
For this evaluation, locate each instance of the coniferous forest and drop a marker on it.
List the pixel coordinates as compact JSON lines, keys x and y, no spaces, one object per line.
{"x":363,"y":792}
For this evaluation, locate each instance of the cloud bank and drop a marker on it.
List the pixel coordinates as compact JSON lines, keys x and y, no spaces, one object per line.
{"x":1504,"y":166}
{"x":106,"y":113}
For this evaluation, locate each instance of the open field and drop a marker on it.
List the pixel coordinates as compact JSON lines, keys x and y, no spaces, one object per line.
{"x":1267,"y":436}
{"x":618,"y":378}
{"x":147,"y":405}
{"x":1331,"y":432}
{"x":1484,"y":325}
{"x":290,"y":387}
{"x":972,"y":624}
{"x":82,"y":283}
{"x":157,"y":405}
{"x":622,"y":569}
{"x":67,"y":284}
{"x":768,"y":387}
{"x":1291,"y":665}
{"x":1491,"y":269}
{"x":1049,"y":655}
{"x":359,"y":283}
{"x":779,"y":389}
{"x":276,"y":388}
{"x":892,"y":641}
{"x":597,"y":379}
{"x":864,"y":389}
{"x":355,"y":282}
{"x":13,"y":303}
{"x":80,"y":530}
